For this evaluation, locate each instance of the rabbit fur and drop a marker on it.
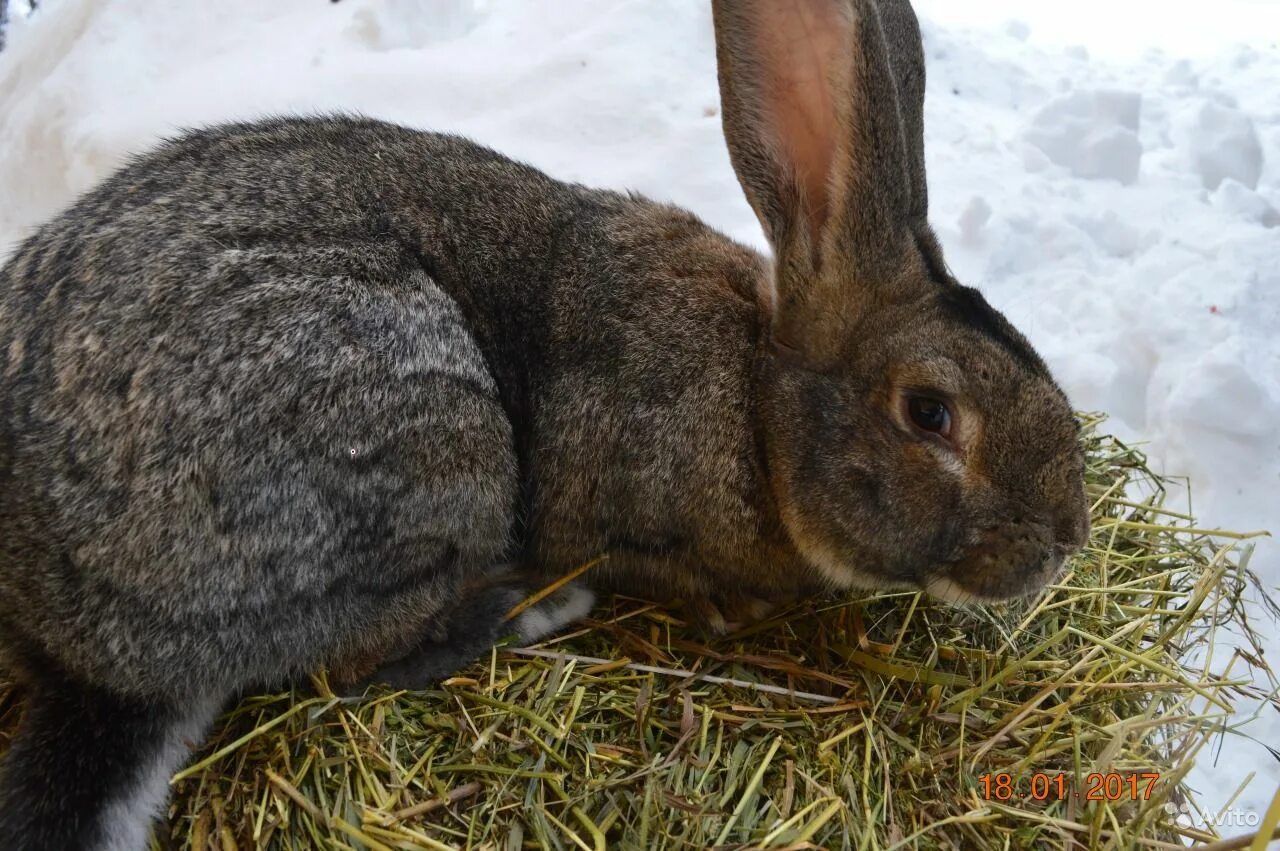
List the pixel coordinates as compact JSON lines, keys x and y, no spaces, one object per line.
{"x":289,"y":394}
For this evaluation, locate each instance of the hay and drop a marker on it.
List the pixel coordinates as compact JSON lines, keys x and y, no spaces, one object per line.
{"x":867,"y":722}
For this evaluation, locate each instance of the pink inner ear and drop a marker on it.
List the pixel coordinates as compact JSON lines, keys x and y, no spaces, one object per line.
{"x":802,"y":46}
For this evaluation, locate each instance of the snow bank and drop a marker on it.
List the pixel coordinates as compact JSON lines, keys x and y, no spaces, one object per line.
{"x":1223,"y":144}
{"x":1117,"y":201}
{"x":1093,"y":133}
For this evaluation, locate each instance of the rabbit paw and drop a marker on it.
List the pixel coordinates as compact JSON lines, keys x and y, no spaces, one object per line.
{"x":729,"y":614}
{"x":475,"y":626}
{"x":565,"y":606}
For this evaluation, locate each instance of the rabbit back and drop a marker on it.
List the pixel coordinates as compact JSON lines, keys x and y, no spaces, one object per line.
{"x":230,"y":463}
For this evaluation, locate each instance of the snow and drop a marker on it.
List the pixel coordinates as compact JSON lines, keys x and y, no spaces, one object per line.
{"x":1094,"y":133}
{"x":1107,"y":173}
{"x":1237,"y":200}
{"x":1223,"y":144}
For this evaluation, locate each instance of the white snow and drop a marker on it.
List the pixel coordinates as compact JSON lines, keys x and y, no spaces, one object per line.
{"x":1223,"y":144}
{"x":1107,"y":172}
{"x":1094,"y":133}
{"x":1238,"y":200}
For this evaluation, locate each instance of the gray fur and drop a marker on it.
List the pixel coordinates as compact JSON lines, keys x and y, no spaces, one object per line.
{"x":212,"y":428}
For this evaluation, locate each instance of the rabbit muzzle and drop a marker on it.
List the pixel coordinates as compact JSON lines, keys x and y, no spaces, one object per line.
{"x":1008,"y":560}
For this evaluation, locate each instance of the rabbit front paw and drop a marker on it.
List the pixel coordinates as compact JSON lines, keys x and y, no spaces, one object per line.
{"x":475,"y":626}
{"x":566,"y":605}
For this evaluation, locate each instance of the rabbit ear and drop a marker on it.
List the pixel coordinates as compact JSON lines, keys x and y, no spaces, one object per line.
{"x":906,"y":56}
{"x":811,"y":116}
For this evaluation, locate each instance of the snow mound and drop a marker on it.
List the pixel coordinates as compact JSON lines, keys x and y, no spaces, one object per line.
{"x":1238,"y":200}
{"x":409,"y":24}
{"x":1093,"y":133}
{"x":973,"y":219}
{"x":1222,"y":144}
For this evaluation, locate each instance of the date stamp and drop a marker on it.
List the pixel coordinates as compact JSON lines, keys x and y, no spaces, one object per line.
{"x":1043,"y":786}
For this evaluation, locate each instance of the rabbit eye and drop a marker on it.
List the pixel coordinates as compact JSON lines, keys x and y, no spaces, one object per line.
{"x":931,"y":415}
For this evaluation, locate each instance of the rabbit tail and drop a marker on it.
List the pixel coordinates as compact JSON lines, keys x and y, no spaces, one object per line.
{"x":90,"y":770}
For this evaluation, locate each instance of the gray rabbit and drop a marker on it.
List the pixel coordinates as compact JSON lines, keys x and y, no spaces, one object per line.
{"x":289,"y":394}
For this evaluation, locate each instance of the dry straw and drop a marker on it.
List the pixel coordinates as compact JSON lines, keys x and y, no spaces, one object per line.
{"x":868,"y":722}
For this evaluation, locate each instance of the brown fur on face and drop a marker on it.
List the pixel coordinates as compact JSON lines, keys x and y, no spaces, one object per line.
{"x":989,"y":514}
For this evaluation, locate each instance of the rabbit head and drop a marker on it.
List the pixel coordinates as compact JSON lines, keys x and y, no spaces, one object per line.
{"x":913,"y":436}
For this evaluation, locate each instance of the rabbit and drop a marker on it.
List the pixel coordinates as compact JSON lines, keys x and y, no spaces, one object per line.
{"x":329,"y":392}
